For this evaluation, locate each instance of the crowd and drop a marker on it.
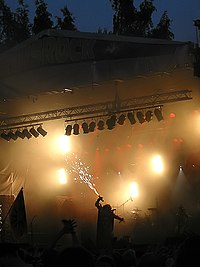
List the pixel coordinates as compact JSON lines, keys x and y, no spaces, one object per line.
{"x":180,"y":251}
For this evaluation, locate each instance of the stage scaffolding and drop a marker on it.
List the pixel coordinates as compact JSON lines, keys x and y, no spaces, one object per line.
{"x":102,"y":109}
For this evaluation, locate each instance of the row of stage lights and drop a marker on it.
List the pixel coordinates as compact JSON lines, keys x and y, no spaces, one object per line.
{"x":111,"y":121}
{"x":14,"y":134}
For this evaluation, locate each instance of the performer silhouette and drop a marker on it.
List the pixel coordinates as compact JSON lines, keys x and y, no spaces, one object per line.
{"x":105,"y":224}
{"x":182,"y":219}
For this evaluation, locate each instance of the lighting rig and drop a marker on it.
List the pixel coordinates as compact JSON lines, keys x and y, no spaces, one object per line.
{"x":95,"y":116}
{"x":26,"y":132}
{"x":89,"y":124}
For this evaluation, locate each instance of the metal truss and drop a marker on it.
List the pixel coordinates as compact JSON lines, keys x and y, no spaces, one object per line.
{"x":96,"y":110}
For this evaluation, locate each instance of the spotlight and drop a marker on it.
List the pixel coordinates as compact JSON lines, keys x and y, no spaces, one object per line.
{"x":26,"y":133}
{"x":19,"y":134}
{"x":92,"y":126}
{"x":41,"y":131}
{"x":100,"y":125}
{"x":76,"y":129}
{"x":12,"y":135}
{"x":140,"y":117}
{"x":131,"y":118}
{"x":121,"y":119}
{"x":68,"y":130}
{"x":34,"y":132}
{"x":85,"y":127}
{"x":111,"y":122}
{"x":158,"y":114}
{"x":5,"y":136}
{"x":149,"y":115}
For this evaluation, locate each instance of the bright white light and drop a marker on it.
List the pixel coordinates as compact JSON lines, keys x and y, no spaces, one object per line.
{"x":64,"y":144}
{"x":62,"y":176}
{"x":157,"y":164}
{"x":134,"y":191}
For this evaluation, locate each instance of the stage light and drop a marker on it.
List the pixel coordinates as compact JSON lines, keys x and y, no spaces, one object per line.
{"x":12,"y":135}
{"x":85,"y":128}
{"x":121,"y":119}
{"x":158,"y":114}
{"x":19,"y":134}
{"x":148,"y":115}
{"x":64,"y":145}
{"x":68,"y":130}
{"x":62,"y":176}
{"x":5,"y":136}
{"x":34,"y":132}
{"x":111,"y":122}
{"x":76,"y":129}
{"x":157,"y":164}
{"x":100,"y":125}
{"x":41,"y":131}
{"x":92,"y":126}
{"x":131,"y":118}
{"x":172,"y":115}
{"x":140,"y":117}
{"x":27,"y":134}
{"x":134,"y":190}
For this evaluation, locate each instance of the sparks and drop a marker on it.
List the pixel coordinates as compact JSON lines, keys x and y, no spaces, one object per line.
{"x":81,"y":170}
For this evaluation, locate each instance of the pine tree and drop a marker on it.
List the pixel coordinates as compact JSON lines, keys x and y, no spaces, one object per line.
{"x":127,"y":20}
{"x":67,"y":22}
{"x":124,"y":19}
{"x":103,"y":31}
{"x":23,"y":26}
{"x":42,"y":19}
{"x":145,"y":23}
{"x":162,"y":30}
{"x":7,"y":26}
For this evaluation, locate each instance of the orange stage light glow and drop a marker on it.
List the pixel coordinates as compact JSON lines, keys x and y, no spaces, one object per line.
{"x":157,"y":164}
{"x":62,"y":176}
{"x":64,"y":144}
{"x":172,"y":115}
{"x":134,"y":190}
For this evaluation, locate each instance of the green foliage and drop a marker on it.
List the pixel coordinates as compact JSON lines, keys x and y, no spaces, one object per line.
{"x":7,"y":25}
{"x":67,"y":22}
{"x":127,"y":20}
{"x":162,"y":31}
{"x":125,"y":17}
{"x":15,"y":25}
{"x":42,"y":19}
{"x":103,"y":31}
{"x":23,"y":26}
{"x":145,"y":23}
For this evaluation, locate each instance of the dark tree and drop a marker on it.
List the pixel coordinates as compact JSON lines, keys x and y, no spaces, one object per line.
{"x":162,"y":30}
{"x":125,"y":17}
{"x":23,"y":26}
{"x":7,"y":26}
{"x":103,"y":31}
{"x":145,"y":23}
{"x":127,"y":20}
{"x":42,"y":20}
{"x":67,"y":22}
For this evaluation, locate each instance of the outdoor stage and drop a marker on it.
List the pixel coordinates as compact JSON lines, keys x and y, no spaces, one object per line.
{"x":47,"y":82}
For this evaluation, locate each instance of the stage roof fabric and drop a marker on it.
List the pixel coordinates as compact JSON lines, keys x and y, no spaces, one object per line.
{"x":53,"y":60}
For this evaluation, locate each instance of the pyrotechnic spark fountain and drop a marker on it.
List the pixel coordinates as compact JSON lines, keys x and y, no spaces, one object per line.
{"x":79,"y":168}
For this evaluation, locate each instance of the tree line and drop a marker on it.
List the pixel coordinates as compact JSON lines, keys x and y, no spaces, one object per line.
{"x":15,"y":25}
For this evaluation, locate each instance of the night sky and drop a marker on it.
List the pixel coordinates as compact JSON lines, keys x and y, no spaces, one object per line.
{"x":90,"y":15}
